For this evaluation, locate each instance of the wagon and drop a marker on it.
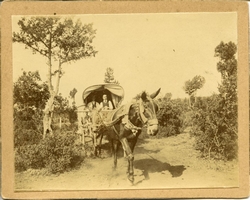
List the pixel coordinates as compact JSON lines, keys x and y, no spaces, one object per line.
{"x":92,"y":114}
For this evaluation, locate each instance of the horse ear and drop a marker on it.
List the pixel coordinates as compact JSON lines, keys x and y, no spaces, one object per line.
{"x":144,"y":96}
{"x":155,"y":93}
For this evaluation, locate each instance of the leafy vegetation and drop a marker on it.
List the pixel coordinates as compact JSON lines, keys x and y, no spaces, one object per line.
{"x":56,"y":153}
{"x":30,"y":96}
{"x":215,"y":118}
{"x":109,"y":76}
{"x":191,"y":87}
{"x":212,"y":120}
{"x":170,"y":115}
{"x":60,"y":41}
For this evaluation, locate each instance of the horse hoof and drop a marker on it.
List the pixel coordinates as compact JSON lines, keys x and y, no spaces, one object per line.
{"x":131,"y":179}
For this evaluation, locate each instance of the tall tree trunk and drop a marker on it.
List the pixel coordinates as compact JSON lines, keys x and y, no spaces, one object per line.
{"x":48,"y":113}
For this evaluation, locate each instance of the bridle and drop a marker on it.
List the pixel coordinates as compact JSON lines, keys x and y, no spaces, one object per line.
{"x":142,"y":110}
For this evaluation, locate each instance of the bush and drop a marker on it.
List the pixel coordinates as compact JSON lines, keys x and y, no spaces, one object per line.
{"x":57,"y":153}
{"x":28,"y":126}
{"x":170,"y":116}
{"x":61,"y":152}
{"x":28,"y":156}
{"x":215,"y":118}
{"x":215,"y":128}
{"x":166,"y":131}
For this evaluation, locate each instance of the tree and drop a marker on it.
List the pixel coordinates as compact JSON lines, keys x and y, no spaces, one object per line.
{"x":109,"y":76}
{"x":227,"y":66}
{"x":60,"y":41}
{"x":30,"y":92}
{"x":29,"y":97}
{"x":167,"y":96}
{"x":191,"y":86}
{"x":72,"y":94}
{"x":215,"y":117}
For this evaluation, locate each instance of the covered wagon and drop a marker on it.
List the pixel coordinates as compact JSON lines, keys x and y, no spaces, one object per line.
{"x":95,"y":111}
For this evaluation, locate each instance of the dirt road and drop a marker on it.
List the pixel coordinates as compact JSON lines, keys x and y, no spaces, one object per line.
{"x":159,"y":163}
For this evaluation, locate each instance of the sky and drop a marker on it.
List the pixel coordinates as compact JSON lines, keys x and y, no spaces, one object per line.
{"x":146,"y":52}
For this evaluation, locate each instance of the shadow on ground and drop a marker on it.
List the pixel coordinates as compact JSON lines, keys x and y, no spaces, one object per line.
{"x":153,"y":165}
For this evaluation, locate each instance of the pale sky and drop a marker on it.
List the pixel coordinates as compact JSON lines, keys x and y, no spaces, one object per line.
{"x":146,"y":51}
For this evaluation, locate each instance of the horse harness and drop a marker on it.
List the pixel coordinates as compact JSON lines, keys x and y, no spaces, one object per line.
{"x":130,"y":126}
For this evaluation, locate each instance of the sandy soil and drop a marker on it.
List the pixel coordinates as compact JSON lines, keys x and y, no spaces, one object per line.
{"x":159,"y":163}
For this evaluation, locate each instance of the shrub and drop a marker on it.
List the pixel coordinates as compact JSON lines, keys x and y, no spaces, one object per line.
{"x":28,"y":156}
{"x":214,"y":128}
{"x":57,"y":153}
{"x":27,"y":126}
{"x":215,"y":118}
{"x":166,"y":131}
{"x":170,"y":116}
{"x":61,"y":152}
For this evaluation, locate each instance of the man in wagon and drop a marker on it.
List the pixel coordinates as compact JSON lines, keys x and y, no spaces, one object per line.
{"x":93,"y":105}
{"x":106,"y":104}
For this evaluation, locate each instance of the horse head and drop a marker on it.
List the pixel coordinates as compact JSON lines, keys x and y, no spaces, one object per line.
{"x":148,"y":110}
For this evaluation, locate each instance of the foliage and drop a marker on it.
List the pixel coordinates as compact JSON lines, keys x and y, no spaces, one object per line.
{"x":56,"y":153}
{"x":29,"y":156}
{"x":215,"y":137}
{"x":109,"y":76}
{"x":64,"y":110}
{"x":61,"y":152}
{"x":59,"y":40}
{"x":60,"y":104}
{"x":170,"y":116}
{"x":30,"y":96}
{"x":72,"y":94}
{"x":29,"y":91}
{"x":27,"y":126}
{"x":215,"y":118}
{"x":72,"y":114}
{"x":63,"y":39}
{"x":191,"y":86}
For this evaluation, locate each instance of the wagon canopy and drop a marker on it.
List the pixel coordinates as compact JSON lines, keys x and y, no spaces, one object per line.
{"x":114,"y":92}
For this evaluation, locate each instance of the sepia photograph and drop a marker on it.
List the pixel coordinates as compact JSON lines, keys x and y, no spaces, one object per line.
{"x":125,"y":101}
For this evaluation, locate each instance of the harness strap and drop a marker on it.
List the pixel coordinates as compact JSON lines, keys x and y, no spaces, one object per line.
{"x":152,"y":122}
{"x":141,"y":110}
{"x":132,"y":127}
{"x":111,"y":123}
{"x":115,"y":130}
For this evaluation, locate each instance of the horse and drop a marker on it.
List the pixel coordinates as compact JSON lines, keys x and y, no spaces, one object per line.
{"x":126,"y":129}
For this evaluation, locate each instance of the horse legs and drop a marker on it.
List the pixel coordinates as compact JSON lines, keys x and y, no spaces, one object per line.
{"x":83,"y":137}
{"x":130,"y":171}
{"x":94,"y":142}
{"x":114,"y":144}
{"x":99,"y":146}
{"x":130,"y":157}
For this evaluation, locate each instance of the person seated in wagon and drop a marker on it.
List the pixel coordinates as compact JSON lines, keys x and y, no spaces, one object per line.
{"x":106,"y":104}
{"x":93,"y":105}
{"x":87,"y":123}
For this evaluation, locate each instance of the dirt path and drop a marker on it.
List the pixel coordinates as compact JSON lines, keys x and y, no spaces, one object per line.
{"x":159,"y":163}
